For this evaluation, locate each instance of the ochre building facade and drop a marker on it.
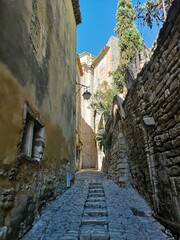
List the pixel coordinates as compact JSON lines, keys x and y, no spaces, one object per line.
{"x":37,"y":107}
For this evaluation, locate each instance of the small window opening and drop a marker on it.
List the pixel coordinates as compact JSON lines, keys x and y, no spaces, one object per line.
{"x":33,"y":139}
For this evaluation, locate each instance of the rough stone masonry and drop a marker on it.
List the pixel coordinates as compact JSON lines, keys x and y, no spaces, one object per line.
{"x":151,"y":127}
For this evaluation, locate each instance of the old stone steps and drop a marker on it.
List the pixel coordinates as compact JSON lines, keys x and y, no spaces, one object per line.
{"x":94,"y":223}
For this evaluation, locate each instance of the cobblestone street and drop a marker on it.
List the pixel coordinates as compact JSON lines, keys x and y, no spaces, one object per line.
{"x":98,"y":209}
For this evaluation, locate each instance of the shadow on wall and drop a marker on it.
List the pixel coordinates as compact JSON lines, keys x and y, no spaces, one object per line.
{"x":89,"y":148}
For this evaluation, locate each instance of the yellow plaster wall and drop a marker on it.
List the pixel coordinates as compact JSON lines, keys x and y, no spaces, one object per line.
{"x":38,"y":67}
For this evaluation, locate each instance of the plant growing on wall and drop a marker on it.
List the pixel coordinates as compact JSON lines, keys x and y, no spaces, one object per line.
{"x":130,"y":40}
{"x":103,"y":97}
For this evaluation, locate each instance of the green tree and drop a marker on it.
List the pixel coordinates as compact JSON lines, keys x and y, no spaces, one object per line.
{"x":130,"y":40}
{"x":152,"y":11}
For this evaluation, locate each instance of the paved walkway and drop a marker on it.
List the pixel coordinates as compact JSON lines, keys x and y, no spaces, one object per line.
{"x":95,"y":208}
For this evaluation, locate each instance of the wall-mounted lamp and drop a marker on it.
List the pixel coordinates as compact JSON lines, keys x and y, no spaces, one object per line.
{"x":86,"y":95}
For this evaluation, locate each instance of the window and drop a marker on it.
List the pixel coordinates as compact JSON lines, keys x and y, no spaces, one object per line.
{"x":33,"y":138}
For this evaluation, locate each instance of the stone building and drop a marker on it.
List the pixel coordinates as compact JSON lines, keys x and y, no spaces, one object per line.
{"x":89,"y":152}
{"x":148,"y":133}
{"x":79,"y":75}
{"x":96,"y":71}
{"x":37,"y":107}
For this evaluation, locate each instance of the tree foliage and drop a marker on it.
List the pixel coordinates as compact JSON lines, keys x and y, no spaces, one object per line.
{"x":103,"y":97}
{"x":152,"y":11}
{"x":130,"y":40}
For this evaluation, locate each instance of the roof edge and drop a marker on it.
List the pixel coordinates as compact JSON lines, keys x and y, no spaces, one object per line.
{"x":77,"y":12}
{"x":100,"y":56}
{"x":79,"y":65}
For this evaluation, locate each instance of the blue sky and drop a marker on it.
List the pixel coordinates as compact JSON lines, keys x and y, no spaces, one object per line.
{"x":98,"y":23}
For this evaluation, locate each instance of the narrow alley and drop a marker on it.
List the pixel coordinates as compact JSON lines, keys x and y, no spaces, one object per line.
{"x":96,"y":208}
{"x":89,"y":134}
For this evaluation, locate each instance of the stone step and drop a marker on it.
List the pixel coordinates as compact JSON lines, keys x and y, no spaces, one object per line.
{"x":95,"y":199}
{"x":95,"y":236}
{"x":70,"y":235}
{"x":94,"y":220}
{"x":91,"y":228}
{"x":96,"y":190}
{"x":96,"y":195}
{"x":95,"y":183}
{"x":95,"y":186}
{"x":95,"y":212}
{"x":95,"y":205}
{"x":69,"y":238}
{"x":100,"y":236}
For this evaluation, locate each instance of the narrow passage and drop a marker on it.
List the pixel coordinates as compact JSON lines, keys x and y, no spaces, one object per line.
{"x":95,"y":208}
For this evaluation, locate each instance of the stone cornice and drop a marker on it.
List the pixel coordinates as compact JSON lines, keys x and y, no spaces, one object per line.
{"x":77,"y":12}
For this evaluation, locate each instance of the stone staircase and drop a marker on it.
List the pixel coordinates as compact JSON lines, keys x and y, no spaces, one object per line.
{"x":94,"y":223}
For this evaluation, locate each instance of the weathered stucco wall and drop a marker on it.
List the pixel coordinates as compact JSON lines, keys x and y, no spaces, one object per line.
{"x":153,"y":125}
{"x":37,"y":51}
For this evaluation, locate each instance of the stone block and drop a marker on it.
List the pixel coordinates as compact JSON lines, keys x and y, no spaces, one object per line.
{"x":6,"y":198}
{"x":156,"y":67}
{"x":167,"y":93}
{"x":168,"y":145}
{"x":141,"y":91}
{"x":158,"y":141}
{"x":176,"y":142}
{"x":159,"y":87}
{"x":174,"y":152}
{"x":173,"y":161}
{"x":168,"y":124}
{"x":174,"y":171}
{"x":156,"y":76}
{"x":173,"y":85}
{"x":149,"y":121}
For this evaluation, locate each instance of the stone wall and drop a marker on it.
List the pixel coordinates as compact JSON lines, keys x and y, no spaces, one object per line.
{"x":115,"y":163}
{"x":152,"y":127}
{"x":38,"y":73}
